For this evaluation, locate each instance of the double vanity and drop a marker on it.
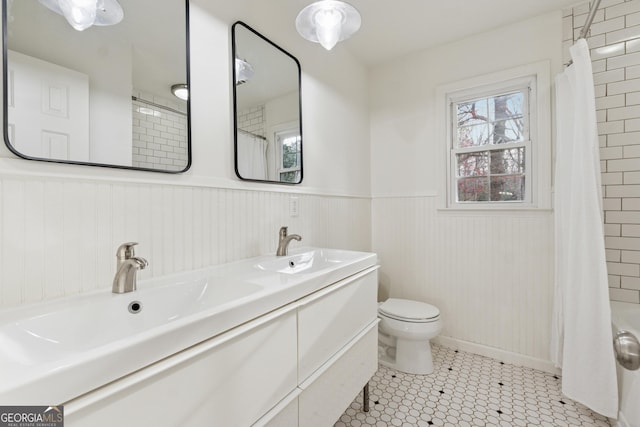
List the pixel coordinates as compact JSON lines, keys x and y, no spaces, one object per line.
{"x":275,"y":341}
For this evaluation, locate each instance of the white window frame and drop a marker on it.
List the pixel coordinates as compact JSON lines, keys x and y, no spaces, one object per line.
{"x":537,"y":147}
{"x":284,"y":133}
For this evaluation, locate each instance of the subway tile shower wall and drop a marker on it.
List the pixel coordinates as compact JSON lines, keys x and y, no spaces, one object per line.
{"x":614,"y":41}
{"x":59,"y":235}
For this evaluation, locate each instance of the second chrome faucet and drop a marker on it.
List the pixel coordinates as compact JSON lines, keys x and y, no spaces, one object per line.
{"x":283,"y":241}
{"x":127,"y":266}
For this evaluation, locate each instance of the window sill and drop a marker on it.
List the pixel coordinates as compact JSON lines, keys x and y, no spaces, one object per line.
{"x":494,"y":210}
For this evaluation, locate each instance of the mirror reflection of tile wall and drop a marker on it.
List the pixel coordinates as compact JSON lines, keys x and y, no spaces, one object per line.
{"x":159,"y":135}
{"x":252,"y":120}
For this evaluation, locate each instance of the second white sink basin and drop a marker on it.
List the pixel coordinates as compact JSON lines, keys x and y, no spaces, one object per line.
{"x":308,"y":261}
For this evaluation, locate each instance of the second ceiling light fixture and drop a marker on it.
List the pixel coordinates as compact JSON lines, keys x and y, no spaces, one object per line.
{"x":328,"y":22}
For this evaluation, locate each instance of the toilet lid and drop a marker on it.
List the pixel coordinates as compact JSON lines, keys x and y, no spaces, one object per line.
{"x":407,"y":309}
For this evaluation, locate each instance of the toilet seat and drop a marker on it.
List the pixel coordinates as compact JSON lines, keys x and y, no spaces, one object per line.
{"x":409,"y":311}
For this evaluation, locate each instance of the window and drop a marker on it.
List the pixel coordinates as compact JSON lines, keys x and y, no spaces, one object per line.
{"x":290,"y":153}
{"x":490,"y":147}
{"x":496,"y":130}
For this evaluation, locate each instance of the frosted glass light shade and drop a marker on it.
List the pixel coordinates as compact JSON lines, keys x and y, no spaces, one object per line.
{"x":328,"y":22}
{"x":82,"y":14}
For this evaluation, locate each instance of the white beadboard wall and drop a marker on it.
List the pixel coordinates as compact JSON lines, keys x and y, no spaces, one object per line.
{"x":489,"y":275}
{"x":59,"y":234}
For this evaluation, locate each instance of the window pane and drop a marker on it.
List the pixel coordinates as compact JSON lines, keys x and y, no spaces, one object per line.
{"x":506,"y":106}
{"x":472,"y":113}
{"x":473,"y":189}
{"x":292,"y":176}
{"x":505,"y":131}
{"x":509,"y":187}
{"x":473,"y":136}
{"x":510,"y":161}
{"x":473,"y":164}
{"x":290,"y":160}
{"x":291,"y":144}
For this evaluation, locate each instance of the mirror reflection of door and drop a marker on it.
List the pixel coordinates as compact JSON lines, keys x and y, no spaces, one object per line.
{"x":101,"y":96}
{"x":50,"y":117}
{"x":268,"y":131}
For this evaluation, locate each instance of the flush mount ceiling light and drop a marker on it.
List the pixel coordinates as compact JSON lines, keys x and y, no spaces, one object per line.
{"x":180,"y":91}
{"x":81,"y":14}
{"x":328,"y":22}
{"x":244,"y":71}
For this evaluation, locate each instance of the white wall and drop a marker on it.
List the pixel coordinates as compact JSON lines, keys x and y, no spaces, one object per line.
{"x":60,"y":224}
{"x":490,"y":273}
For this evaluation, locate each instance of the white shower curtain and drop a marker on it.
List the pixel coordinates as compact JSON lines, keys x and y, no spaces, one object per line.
{"x":581,"y":337}
{"x":252,"y":156}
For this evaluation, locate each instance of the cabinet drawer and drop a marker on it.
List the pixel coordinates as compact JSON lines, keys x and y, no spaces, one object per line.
{"x":325,"y":398}
{"x":229,"y":380}
{"x":329,"y":319}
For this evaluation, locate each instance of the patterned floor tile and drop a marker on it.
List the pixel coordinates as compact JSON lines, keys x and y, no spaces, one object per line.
{"x":467,"y":390}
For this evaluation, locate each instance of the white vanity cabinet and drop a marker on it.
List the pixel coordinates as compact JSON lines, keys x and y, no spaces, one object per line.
{"x":299,"y":365}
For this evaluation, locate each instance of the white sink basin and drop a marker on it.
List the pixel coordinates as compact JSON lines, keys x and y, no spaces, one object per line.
{"x":85,"y":324}
{"x":53,"y":352}
{"x":309,"y":261}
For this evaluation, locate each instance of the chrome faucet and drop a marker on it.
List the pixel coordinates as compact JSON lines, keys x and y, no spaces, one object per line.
{"x":127,"y":268}
{"x":284,"y":240}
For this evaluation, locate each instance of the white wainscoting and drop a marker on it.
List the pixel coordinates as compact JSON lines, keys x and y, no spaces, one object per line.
{"x":490,"y":274}
{"x":59,"y":234}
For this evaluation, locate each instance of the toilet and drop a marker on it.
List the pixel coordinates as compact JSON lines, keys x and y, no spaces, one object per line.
{"x":404,"y":332}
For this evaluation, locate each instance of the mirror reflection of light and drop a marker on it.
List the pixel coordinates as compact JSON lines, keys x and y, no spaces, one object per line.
{"x":180,"y":91}
{"x":82,"y":14}
{"x":149,"y":111}
{"x":244,"y":71}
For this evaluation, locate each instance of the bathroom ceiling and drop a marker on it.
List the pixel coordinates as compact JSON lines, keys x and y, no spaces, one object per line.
{"x":392,"y":29}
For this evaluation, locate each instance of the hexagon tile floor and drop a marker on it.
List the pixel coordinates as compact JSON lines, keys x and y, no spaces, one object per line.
{"x":467,"y":390}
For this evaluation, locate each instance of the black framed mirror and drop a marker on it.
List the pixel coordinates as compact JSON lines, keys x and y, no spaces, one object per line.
{"x":101,"y":96}
{"x":267,"y":109}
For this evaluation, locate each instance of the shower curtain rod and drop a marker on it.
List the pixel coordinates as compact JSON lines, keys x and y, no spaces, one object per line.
{"x":587,"y":24}
{"x":252,"y":134}
{"x":589,"y":21}
{"x":162,"y":107}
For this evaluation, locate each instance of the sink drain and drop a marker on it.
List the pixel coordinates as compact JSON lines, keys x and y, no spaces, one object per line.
{"x":292,"y":264}
{"x":135,"y":307}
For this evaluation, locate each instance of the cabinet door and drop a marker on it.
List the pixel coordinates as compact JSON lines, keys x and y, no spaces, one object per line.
{"x":329,"y":319}
{"x":234,"y":381}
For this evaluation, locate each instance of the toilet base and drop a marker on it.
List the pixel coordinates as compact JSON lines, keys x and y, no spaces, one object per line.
{"x":411,"y":357}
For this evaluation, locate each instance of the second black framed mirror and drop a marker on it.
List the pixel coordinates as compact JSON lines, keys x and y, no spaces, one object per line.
{"x":267,"y":109}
